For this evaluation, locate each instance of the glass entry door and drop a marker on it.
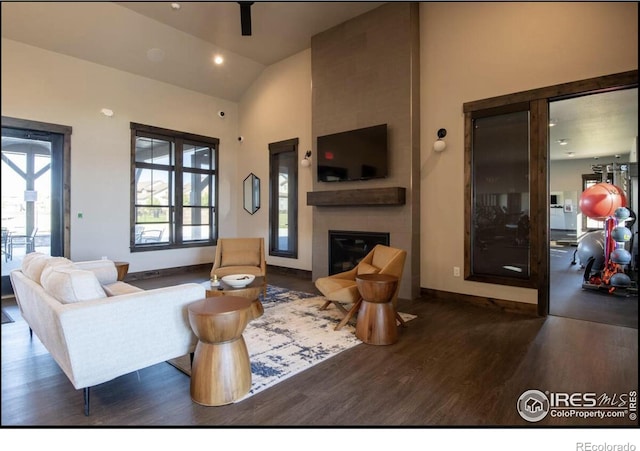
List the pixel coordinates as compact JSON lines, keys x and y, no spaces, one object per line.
{"x":32,"y":219}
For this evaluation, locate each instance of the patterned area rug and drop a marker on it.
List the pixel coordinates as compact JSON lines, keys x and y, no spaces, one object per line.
{"x":291,"y":336}
{"x":6,"y":318}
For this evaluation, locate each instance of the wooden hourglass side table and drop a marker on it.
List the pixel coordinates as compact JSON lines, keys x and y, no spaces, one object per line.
{"x":376,"y":323}
{"x":221,"y":371}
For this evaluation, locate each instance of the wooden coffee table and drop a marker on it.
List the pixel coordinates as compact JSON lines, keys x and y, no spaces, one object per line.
{"x":251,"y":292}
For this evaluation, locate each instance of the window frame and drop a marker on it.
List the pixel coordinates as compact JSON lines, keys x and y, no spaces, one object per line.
{"x":176,"y":176}
{"x":534,"y":156}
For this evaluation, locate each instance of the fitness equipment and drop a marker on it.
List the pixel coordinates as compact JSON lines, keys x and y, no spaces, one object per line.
{"x":621,"y":234}
{"x":591,"y":246}
{"x":620,"y":256}
{"x":604,"y":250}
{"x":620,"y":280}
{"x":601,"y":200}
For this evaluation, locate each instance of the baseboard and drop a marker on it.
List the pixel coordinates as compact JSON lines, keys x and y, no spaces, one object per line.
{"x":153,"y":273}
{"x":299,"y":273}
{"x":481,"y":301}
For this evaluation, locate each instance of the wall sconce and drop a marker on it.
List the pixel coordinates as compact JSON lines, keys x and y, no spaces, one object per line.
{"x":440,"y":145}
{"x":306,"y":161}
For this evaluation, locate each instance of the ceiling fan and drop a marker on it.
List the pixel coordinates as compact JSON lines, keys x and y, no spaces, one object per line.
{"x":245,"y":17}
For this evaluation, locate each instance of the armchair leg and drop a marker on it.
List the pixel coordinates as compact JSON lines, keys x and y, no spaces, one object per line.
{"x":325,"y":305}
{"x":86,"y":401}
{"x":349,"y":315}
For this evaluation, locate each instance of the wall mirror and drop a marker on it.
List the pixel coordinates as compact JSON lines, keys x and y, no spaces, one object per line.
{"x":251,"y":193}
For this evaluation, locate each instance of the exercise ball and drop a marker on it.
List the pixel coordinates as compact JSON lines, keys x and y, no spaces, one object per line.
{"x":601,"y":200}
{"x":591,"y":245}
{"x":621,"y":213}
{"x":620,"y":256}
{"x":621,"y":234}
{"x":620,"y":280}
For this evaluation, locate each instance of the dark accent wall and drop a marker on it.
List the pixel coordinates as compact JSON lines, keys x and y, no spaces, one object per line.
{"x":366,"y":72}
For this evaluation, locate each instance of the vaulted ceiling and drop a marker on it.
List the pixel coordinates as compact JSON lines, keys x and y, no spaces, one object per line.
{"x":177,"y":45}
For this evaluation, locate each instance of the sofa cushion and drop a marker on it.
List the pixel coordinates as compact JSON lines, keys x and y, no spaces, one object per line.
{"x":118,"y":288}
{"x":366,"y":268}
{"x":68,"y":284}
{"x":34,"y":264}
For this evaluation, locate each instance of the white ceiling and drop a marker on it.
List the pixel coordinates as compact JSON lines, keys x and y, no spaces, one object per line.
{"x":177,"y":46}
{"x":128,"y":35}
{"x":594,"y":126}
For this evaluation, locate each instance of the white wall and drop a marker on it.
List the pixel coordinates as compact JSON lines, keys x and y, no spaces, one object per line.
{"x":49,"y":87}
{"x":471,"y":51}
{"x":277,"y":107}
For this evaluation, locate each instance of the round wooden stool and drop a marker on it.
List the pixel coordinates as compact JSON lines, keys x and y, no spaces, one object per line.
{"x":221,"y":371}
{"x":376,"y":323}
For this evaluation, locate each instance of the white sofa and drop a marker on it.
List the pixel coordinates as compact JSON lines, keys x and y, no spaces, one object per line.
{"x":97,"y":328}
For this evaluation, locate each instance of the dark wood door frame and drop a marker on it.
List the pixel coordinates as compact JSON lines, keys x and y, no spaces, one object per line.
{"x":539,"y":101}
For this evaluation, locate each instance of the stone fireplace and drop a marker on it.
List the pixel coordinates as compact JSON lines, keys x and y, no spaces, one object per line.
{"x":347,"y":248}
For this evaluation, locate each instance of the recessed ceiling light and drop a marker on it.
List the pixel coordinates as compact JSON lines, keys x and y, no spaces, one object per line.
{"x":107,"y":112}
{"x":562,"y":142}
{"x":553,"y":123}
{"x":218,"y":59}
{"x":571,"y":154}
{"x":155,"y":55}
{"x":175,"y":6}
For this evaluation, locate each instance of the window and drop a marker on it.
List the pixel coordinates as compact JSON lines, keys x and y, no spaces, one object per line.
{"x":283,"y":198}
{"x":500,"y":205}
{"x":174,"y":189}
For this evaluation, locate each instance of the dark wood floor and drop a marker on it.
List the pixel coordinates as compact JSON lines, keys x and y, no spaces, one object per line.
{"x":455,"y":365}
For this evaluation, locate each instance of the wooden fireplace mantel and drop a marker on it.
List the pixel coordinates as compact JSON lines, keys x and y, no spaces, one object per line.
{"x":358,"y":197}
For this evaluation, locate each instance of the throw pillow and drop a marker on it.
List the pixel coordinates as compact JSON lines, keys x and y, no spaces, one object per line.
{"x":366,"y":268}
{"x":105,"y":270}
{"x":32,"y":265}
{"x":35,"y":263}
{"x":69,"y":285}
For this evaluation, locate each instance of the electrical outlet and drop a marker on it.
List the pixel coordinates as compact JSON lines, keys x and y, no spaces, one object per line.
{"x":456,"y":271}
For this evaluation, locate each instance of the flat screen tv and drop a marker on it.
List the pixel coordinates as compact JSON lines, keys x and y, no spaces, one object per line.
{"x":353,"y":155}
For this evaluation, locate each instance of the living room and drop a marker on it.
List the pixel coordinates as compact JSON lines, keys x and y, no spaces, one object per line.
{"x":464,"y":52}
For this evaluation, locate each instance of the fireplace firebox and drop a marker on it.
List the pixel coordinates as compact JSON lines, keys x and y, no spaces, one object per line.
{"x":347,"y":248}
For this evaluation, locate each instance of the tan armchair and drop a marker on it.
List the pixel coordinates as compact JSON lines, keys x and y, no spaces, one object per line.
{"x":240,"y":256}
{"x":342,"y":288}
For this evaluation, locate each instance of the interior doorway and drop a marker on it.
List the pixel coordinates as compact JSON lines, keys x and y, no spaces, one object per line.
{"x":34,"y":192}
{"x":590,"y":138}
